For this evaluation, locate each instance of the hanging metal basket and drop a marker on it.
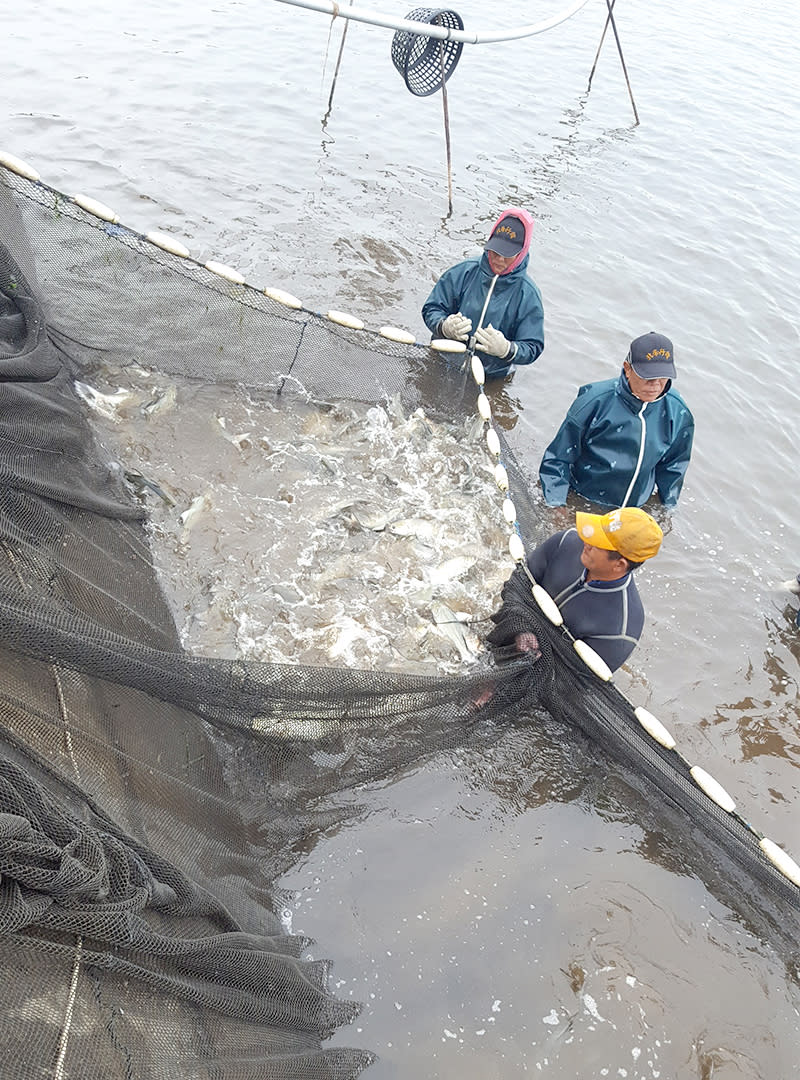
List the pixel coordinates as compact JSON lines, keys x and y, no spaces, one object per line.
{"x":426,"y":63}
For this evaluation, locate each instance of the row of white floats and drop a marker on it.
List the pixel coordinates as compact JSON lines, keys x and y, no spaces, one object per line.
{"x":714,"y":790}
{"x":178,"y":248}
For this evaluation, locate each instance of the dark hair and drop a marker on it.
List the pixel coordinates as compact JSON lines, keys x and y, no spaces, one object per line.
{"x":616,"y":555}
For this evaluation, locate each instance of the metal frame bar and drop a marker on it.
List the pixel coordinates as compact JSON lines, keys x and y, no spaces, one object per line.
{"x":337,"y":10}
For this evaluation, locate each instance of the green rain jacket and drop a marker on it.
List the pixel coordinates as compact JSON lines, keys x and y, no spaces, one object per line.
{"x":615,"y":450}
{"x":514,"y":307}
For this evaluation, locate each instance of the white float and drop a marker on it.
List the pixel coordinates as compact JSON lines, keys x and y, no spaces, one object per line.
{"x":501,"y":476}
{"x":227,"y":272}
{"x":493,"y":442}
{"x":484,"y":407}
{"x":18,"y":166}
{"x":654,"y":727}
{"x":95,"y":207}
{"x":712,"y":788}
{"x":509,"y":511}
{"x":394,"y":333}
{"x":548,"y":605}
{"x":592,"y":660}
{"x":168,"y":243}
{"x":448,"y":345}
{"x":784,"y":862}
{"x":478,"y":374}
{"x":516,"y":548}
{"x":280,"y":296}
{"x":343,"y":319}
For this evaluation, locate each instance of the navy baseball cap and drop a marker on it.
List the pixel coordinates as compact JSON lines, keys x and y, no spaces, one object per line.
{"x":651,"y":357}
{"x":508,"y":238}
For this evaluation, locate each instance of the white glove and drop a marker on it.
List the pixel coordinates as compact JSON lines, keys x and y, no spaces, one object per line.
{"x":492,"y":341}
{"x":456,"y":327}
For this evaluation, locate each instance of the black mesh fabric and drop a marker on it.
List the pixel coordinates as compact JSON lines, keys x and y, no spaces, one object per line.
{"x":146,"y":806}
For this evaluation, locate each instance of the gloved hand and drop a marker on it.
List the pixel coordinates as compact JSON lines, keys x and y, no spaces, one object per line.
{"x":456,"y":327}
{"x":493,"y":342}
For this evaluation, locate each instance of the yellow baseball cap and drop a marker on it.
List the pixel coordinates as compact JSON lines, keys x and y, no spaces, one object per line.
{"x":630,"y":531}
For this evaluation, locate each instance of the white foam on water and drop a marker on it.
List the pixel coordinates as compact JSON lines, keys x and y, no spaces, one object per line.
{"x":292,"y":555}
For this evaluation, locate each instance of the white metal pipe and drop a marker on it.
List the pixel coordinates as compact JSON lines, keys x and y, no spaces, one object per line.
{"x":338,"y":10}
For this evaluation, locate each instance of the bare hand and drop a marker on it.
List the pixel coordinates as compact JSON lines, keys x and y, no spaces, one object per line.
{"x":527,"y":642}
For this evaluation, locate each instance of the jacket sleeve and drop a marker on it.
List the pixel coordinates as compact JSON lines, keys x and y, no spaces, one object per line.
{"x":563,"y":451}
{"x":444,"y":300}
{"x":671,"y":469}
{"x":528,"y":333}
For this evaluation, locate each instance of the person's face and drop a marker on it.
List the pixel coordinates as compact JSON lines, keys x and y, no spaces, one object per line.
{"x":644,"y":389}
{"x":601,"y":564}
{"x":499,"y":263}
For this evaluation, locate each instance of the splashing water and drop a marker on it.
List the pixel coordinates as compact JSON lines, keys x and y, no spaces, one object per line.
{"x":315,"y":533}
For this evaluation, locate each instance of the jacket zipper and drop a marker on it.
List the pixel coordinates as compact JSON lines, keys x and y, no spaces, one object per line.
{"x":641,"y":454}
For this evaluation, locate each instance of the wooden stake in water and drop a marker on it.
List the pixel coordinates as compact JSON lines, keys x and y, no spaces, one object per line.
{"x":599,"y":47}
{"x":446,"y":127}
{"x":610,"y":19}
{"x":336,"y":70}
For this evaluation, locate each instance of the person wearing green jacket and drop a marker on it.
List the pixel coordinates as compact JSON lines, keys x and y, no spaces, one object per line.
{"x":489,"y":302}
{"x":624,"y":439}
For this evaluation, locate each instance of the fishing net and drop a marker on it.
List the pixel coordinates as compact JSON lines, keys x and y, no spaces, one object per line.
{"x":150,"y":797}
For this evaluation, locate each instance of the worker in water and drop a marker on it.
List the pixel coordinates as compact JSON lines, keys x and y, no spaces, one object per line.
{"x":489,"y":302}
{"x":588,"y":571}
{"x":625,"y":438}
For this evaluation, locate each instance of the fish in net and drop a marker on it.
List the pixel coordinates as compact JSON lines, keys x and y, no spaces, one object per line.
{"x":152,"y":797}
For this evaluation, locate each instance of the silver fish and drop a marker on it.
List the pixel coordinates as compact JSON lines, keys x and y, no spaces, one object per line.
{"x":297,"y":728}
{"x":451,"y":569}
{"x":163,"y":401}
{"x":420,"y":528}
{"x":475,"y":428}
{"x":107,"y":404}
{"x":286,"y":592}
{"x":142,"y":483}
{"x":239,"y":441}
{"x":367,"y":517}
{"x":394,"y":407}
{"x":197,"y":506}
{"x":449,"y":624}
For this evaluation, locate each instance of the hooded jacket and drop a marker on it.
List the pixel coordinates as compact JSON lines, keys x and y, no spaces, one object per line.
{"x":615,"y":450}
{"x":515,"y":304}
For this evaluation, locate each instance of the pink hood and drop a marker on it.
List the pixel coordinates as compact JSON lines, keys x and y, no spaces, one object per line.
{"x":527,"y":221}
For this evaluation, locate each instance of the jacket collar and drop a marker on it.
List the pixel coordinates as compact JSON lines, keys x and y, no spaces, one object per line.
{"x":510,"y":275}
{"x":633,"y":403}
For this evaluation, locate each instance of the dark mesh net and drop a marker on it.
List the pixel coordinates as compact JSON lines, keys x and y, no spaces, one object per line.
{"x":147,"y":805}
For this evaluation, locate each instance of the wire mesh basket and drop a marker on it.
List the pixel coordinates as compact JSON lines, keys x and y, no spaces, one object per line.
{"x":426,"y":63}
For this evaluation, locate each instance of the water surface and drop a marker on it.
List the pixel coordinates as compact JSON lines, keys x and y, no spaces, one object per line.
{"x":506,"y":913}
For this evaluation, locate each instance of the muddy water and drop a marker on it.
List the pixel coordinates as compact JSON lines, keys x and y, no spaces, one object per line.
{"x":507,"y":913}
{"x":342,"y":534}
